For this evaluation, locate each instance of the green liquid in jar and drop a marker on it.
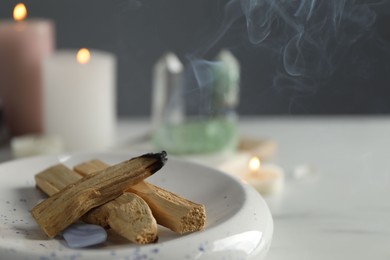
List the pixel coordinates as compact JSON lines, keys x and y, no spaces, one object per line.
{"x":198,"y":136}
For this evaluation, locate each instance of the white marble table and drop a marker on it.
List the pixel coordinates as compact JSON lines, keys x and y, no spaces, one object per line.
{"x":340,"y":212}
{"x":343,"y":210}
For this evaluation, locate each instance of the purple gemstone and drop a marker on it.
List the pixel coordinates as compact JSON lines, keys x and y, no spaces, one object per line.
{"x":83,"y":235}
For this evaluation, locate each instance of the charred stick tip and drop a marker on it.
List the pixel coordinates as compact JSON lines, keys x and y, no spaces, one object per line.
{"x":162,"y":156}
{"x":161,"y":160}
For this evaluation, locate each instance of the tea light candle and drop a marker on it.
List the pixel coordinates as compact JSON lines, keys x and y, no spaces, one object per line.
{"x":29,"y":145}
{"x":23,"y":45}
{"x":79,"y":98}
{"x":266,"y":179}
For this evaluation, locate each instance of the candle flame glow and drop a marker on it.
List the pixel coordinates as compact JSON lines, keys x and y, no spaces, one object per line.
{"x":254,"y":164}
{"x":83,"y":56}
{"x":20,"y":12}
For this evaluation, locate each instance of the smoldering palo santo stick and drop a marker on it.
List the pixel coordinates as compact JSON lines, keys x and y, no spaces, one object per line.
{"x":170,"y":210}
{"x":68,"y":205}
{"x":128,"y":215}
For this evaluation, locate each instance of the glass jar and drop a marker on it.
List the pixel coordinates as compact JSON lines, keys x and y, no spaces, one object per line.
{"x":198,"y":114}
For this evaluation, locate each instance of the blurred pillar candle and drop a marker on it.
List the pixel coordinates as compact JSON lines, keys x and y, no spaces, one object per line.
{"x":79,"y":98}
{"x":23,"y":45}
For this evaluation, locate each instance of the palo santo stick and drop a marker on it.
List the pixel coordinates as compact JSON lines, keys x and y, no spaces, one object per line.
{"x":55,"y":178}
{"x":128,"y":215}
{"x":170,"y":210}
{"x":66,"y":206}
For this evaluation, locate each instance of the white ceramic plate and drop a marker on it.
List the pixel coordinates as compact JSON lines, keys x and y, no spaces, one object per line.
{"x":239,"y":224}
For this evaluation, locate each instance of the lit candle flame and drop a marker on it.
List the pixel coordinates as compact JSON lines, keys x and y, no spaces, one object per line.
{"x":254,"y":164}
{"x":83,"y":56}
{"x":20,"y":12}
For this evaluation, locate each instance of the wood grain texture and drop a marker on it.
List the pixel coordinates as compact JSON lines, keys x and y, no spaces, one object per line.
{"x":68,"y":205}
{"x":128,"y":215}
{"x":170,"y":210}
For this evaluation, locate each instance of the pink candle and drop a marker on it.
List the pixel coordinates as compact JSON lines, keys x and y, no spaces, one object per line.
{"x":23,"y":45}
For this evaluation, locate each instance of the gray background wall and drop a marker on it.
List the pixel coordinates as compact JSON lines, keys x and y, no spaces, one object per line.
{"x":330,"y":59}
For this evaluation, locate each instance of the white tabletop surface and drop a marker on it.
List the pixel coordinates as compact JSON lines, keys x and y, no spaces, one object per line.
{"x":344,"y":211}
{"x":341,"y":210}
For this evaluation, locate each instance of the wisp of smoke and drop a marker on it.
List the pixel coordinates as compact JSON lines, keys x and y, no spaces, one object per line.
{"x":311,"y":37}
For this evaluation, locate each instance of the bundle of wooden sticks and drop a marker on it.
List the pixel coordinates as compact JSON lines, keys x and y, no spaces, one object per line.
{"x":115,"y":197}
